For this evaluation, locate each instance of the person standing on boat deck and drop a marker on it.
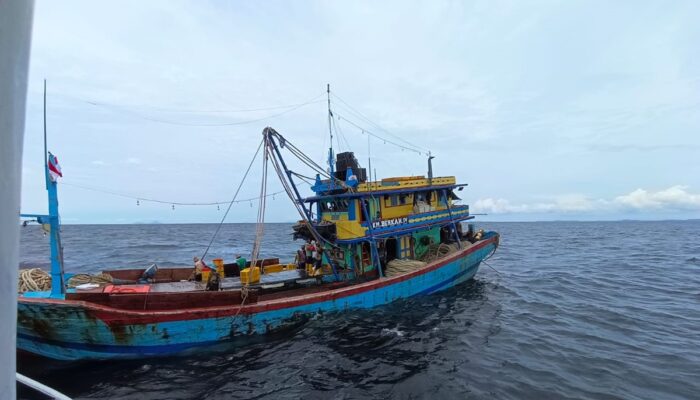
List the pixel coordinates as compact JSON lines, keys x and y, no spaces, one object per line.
{"x":241,"y":261}
{"x":309,"y":253}
{"x":318,"y":259}
{"x":314,"y":249}
{"x":198,"y":266}
{"x":301,"y":258}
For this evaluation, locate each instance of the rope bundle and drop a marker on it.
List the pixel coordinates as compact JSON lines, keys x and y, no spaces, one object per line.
{"x":81,"y":279}
{"x":402,"y":266}
{"x":437,"y":251}
{"x":33,"y":280}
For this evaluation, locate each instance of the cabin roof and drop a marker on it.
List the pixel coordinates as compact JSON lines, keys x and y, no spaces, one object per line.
{"x":383,"y":191}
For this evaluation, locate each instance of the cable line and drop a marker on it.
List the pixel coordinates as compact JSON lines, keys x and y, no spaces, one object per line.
{"x":367,"y":131}
{"x":218,"y":228}
{"x":187,"y":111}
{"x":357,"y":113}
{"x":176,"y":203}
{"x":249,"y":121}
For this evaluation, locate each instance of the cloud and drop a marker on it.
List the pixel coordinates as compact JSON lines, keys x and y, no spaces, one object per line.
{"x":567,"y":204}
{"x":526,"y":94}
{"x":674,"y":198}
{"x":641,"y":148}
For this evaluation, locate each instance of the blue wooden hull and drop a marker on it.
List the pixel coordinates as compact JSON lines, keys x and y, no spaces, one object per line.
{"x":76,"y":330}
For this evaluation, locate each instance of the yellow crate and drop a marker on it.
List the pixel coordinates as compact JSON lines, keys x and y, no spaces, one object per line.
{"x":291,"y":267}
{"x":250,"y":275}
{"x":325,"y":269}
{"x":270,"y":269}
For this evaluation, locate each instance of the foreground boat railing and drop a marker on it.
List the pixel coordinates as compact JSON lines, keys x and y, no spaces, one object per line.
{"x":41,"y":388}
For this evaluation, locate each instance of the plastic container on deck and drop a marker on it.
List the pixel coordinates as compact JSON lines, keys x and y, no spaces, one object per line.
{"x":269,"y":269}
{"x":205,"y":274}
{"x":219,"y":264}
{"x":250,"y":275}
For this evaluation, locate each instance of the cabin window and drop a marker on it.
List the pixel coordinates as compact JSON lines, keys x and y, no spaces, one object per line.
{"x":420,"y":197}
{"x":441,"y":198}
{"x":363,"y":207}
{"x":407,"y":246}
{"x":337,"y":253}
{"x":396,"y":200}
{"x":334,"y":206}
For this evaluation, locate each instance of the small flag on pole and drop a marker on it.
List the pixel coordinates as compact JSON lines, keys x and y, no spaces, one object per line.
{"x":54,"y":168}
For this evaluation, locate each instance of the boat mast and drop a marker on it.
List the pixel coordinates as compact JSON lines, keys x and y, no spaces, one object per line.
{"x":430,"y":168}
{"x":330,"y":132}
{"x":53,"y":221}
{"x":46,"y":151}
{"x":57,"y":284}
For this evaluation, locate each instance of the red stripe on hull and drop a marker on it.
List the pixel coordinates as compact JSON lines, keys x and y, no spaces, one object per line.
{"x":113,"y":316}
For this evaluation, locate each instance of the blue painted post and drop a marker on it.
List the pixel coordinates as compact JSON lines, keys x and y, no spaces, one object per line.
{"x":372,"y":242}
{"x":454,"y":226}
{"x":57,"y":284}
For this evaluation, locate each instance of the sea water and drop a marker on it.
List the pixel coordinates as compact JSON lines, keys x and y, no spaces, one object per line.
{"x":566,"y":310}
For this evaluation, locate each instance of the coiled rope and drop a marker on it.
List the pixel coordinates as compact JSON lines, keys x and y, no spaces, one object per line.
{"x":81,"y":279}
{"x":33,"y":280}
{"x":434,"y":252}
{"x":437,"y":251}
{"x":38,"y":280}
{"x":402,"y":266}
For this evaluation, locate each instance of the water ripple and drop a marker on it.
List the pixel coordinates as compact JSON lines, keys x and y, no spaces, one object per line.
{"x":577,"y":310}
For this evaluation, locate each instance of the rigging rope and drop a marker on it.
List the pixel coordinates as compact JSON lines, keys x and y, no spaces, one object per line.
{"x":177,"y":203}
{"x":260,"y":222}
{"x":218,"y":228}
{"x":188,"y":111}
{"x":341,"y":134}
{"x":361,"y":116}
{"x":286,"y":184}
{"x":367,"y":131}
{"x":163,"y":121}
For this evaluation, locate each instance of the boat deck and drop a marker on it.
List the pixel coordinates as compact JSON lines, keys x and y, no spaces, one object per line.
{"x":277,"y":279}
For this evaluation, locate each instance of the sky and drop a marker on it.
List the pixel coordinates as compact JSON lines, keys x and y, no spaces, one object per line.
{"x":549,"y":110}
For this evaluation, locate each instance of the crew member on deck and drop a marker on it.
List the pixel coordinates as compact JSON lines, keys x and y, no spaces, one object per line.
{"x":301,"y":258}
{"x":198,"y":266}
{"x":318,"y":259}
{"x":309,"y":253}
{"x":241,"y":261}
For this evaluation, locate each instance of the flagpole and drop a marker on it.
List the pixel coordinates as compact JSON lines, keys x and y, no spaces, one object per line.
{"x":54,"y":220}
{"x":46,"y":151}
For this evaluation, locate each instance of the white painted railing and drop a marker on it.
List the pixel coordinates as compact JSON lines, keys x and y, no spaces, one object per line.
{"x":41,"y":388}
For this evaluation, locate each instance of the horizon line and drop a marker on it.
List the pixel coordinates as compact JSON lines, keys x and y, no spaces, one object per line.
{"x":481,"y":221}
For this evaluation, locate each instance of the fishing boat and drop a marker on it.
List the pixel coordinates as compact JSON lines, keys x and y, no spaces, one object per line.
{"x":375,"y":241}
